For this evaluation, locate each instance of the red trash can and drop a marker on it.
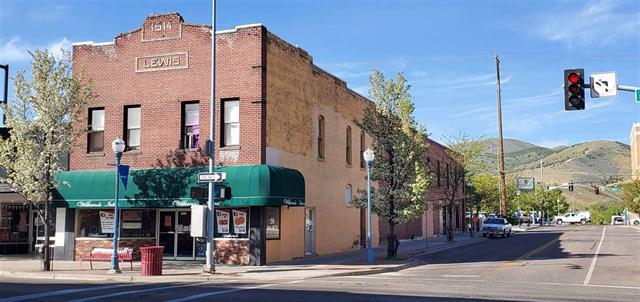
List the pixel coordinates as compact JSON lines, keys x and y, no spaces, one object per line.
{"x":151,"y":260}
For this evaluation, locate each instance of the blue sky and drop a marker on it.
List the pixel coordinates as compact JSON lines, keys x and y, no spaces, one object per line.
{"x":445,"y":49}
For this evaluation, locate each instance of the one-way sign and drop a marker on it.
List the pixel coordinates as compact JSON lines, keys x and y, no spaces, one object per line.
{"x":212,"y":176}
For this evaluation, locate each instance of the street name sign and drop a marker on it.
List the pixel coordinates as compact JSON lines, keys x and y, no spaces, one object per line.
{"x":212,"y":176}
{"x":637,"y":95}
{"x":603,"y":84}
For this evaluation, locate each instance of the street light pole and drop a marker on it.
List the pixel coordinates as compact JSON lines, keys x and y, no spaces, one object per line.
{"x":368,"y":158}
{"x":118,"y":147}
{"x":6,"y":87}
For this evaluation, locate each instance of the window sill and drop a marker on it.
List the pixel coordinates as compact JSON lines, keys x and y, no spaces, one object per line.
{"x":95,"y":154}
{"x":190,"y":150}
{"x":229,"y":148}
{"x":132,"y":152}
{"x":321,"y":159}
{"x":348,"y":165}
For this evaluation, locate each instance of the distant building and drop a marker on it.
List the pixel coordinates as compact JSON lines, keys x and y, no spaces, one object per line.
{"x":635,"y":151}
{"x":433,"y":222}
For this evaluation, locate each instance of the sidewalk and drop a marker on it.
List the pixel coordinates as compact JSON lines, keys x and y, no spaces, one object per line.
{"x":342,"y":264}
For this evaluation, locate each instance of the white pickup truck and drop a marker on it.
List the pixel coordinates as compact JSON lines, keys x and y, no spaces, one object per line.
{"x":577,"y":217}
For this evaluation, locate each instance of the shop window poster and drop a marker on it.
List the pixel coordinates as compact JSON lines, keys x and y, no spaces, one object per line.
{"x":222,"y":219}
{"x":106,"y":222}
{"x":239,"y":221}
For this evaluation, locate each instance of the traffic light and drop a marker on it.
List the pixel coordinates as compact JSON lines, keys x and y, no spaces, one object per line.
{"x":574,"y":89}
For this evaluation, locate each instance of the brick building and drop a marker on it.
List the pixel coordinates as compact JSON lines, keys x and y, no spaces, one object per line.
{"x":284,"y":135}
{"x":434,"y":221}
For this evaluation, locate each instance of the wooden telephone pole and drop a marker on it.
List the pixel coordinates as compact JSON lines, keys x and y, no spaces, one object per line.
{"x":503,"y":188}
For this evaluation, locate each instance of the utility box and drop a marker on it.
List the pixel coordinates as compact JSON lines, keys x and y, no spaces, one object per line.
{"x":198,"y":221}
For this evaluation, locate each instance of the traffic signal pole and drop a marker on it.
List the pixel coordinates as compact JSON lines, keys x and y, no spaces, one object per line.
{"x":209,"y":266}
{"x":503,"y":188}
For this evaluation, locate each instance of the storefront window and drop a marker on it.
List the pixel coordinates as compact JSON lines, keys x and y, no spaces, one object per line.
{"x":138,"y":223}
{"x":95,"y":223}
{"x":273,"y":222}
{"x":232,"y":223}
{"x":14,"y":223}
{"x":133,"y":223}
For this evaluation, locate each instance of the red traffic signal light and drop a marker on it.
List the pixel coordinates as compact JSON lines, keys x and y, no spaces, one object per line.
{"x":573,"y":77}
{"x":574,"y":89}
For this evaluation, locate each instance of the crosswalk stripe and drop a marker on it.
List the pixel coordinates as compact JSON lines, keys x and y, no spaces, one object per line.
{"x":61,"y":292}
{"x":136,"y":291}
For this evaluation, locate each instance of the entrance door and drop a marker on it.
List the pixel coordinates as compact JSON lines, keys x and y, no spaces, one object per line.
{"x":309,"y":232}
{"x":184,"y":247}
{"x":174,"y":234}
{"x":167,"y":236}
{"x":363,"y":228}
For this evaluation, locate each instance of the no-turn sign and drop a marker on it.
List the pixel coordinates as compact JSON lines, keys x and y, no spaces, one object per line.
{"x":603,"y":84}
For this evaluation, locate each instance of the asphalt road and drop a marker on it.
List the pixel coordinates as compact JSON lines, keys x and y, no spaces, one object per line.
{"x":547,"y":264}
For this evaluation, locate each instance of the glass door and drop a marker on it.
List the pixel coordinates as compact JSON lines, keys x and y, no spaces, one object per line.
{"x":167,"y":236}
{"x":184,"y":239}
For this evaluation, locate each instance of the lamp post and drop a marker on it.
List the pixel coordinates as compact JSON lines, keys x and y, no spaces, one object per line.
{"x":118,"y":147}
{"x":368,"y":159}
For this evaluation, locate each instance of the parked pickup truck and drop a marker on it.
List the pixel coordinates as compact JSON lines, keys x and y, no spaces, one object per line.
{"x":578,"y":217}
{"x":496,"y":226}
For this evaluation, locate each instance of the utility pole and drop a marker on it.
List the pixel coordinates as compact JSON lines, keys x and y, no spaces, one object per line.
{"x":503,"y":188}
{"x":541,"y":175}
{"x":209,"y":266}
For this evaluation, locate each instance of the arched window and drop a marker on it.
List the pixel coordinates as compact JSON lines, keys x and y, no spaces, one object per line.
{"x":362,"y":146}
{"x":320,"y":137}
{"x":348,"y":147}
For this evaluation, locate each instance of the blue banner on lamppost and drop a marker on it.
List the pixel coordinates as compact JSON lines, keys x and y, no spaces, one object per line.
{"x":123,"y":171}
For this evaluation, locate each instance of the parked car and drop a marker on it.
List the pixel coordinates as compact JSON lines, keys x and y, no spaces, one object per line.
{"x":496,"y":226}
{"x":578,"y":217}
{"x":617,"y":219}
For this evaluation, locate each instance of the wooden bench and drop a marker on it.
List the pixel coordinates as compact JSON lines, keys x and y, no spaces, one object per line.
{"x":104,"y":254}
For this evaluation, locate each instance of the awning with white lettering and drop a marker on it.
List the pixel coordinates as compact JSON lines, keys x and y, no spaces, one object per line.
{"x":257,"y":185}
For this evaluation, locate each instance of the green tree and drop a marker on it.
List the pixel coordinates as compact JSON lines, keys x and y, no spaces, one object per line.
{"x":399,"y":143}
{"x":465,"y":151}
{"x":631,"y":196}
{"x":41,"y":121}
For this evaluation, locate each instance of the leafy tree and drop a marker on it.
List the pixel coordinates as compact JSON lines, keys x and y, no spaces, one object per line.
{"x":40,"y":120}
{"x":485,"y":191}
{"x":465,"y":152}
{"x":631,"y":196}
{"x":399,"y":143}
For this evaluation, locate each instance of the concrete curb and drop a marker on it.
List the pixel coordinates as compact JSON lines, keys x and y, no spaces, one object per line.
{"x":168,"y":278}
{"x":449,"y":246}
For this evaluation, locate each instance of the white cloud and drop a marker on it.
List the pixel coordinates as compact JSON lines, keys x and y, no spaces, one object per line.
{"x":57,"y":48}
{"x":550,"y":143}
{"x":14,"y":50}
{"x":598,"y":22}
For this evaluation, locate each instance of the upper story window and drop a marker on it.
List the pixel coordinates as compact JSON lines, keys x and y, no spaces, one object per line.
{"x":132,"y":127}
{"x":348,"y":147}
{"x":348,"y":194}
{"x":320,"y":137}
{"x":438,"y":171}
{"x":95,"y":137}
{"x":362,"y":146}
{"x":190,"y":125}
{"x":231,"y":123}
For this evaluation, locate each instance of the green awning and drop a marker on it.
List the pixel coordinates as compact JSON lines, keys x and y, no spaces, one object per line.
{"x":257,"y":185}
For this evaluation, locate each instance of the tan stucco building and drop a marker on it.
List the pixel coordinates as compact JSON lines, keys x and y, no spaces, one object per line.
{"x":635,"y":151}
